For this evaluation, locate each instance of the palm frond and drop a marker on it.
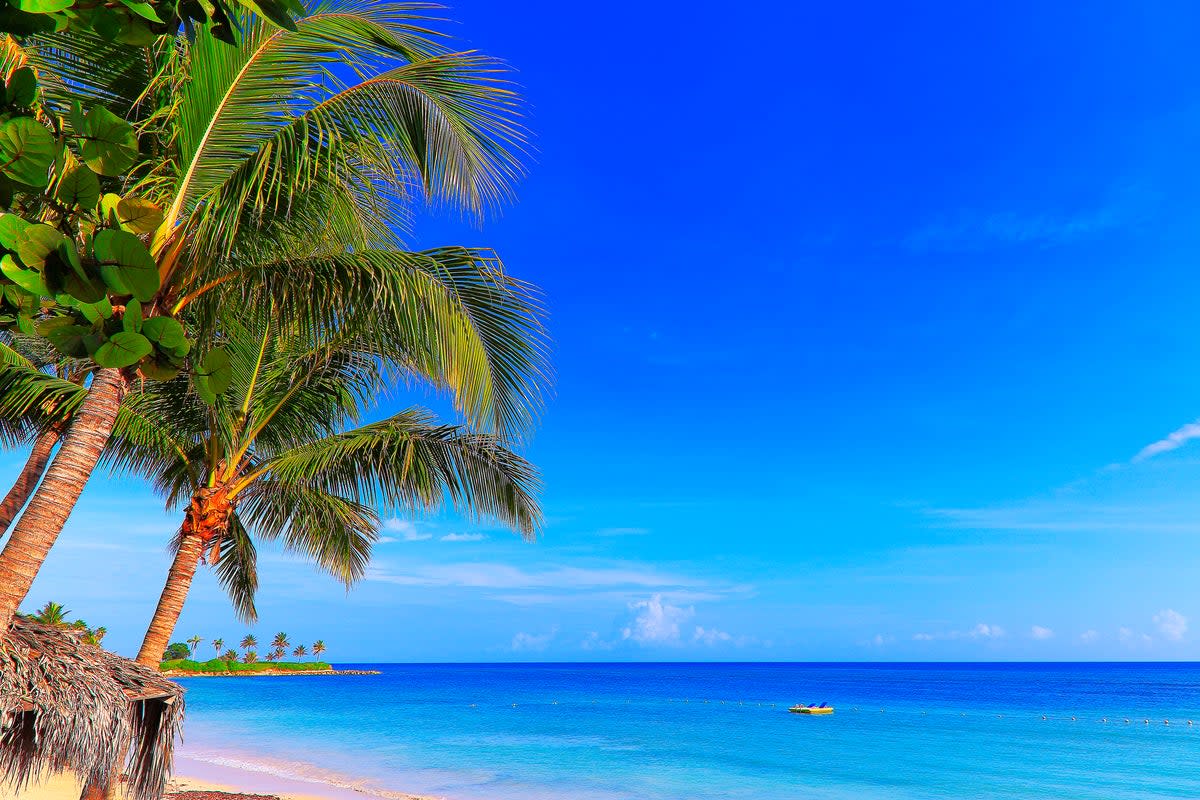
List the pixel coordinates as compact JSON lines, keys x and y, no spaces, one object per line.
{"x":237,"y":569}
{"x":408,"y":461}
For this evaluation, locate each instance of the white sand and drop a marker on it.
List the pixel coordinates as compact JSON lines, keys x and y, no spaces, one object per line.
{"x":66,"y":787}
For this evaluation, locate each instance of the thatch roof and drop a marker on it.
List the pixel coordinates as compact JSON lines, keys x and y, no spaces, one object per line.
{"x":67,"y":705}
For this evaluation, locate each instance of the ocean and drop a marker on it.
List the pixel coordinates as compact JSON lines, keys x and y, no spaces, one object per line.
{"x":709,"y":731}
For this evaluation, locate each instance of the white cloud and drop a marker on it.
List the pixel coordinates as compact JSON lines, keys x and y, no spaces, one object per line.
{"x":463,"y":537}
{"x":981,"y":631}
{"x":593,"y":642}
{"x":1171,"y":624}
{"x":710,"y":636}
{"x":1038,"y":632}
{"x":406,"y":530}
{"x":1130,"y":637}
{"x":1089,"y":636}
{"x":879,"y":640}
{"x":531,"y":641}
{"x":656,"y":622}
{"x":1173,"y":440}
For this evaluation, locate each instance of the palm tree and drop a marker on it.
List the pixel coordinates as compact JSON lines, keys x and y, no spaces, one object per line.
{"x":229,"y":655}
{"x":239,"y":165}
{"x":318,"y":648}
{"x":300,"y":652}
{"x":194,"y":643}
{"x":249,"y":642}
{"x":51,"y":614}
{"x":277,"y":653}
{"x":217,"y":645}
{"x":280,"y":641}
{"x":249,"y":657}
{"x":277,"y":458}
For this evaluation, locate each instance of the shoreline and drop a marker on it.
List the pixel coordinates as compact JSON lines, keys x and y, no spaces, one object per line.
{"x":175,"y":673}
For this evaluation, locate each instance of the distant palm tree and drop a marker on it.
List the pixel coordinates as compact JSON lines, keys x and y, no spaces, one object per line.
{"x":194,"y":643}
{"x":300,"y":651}
{"x":217,"y":645}
{"x":280,"y":641}
{"x":271,"y":656}
{"x":318,"y":648}
{"x":51,"y":614}
{"x":250,"y":657}
{"x":229,"y":655}
{"x":249,"y":642}
{"x":278,"y":653}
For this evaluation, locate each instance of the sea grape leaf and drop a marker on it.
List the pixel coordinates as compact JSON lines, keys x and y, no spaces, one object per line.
{"x":165,"y":332}
{"x":69,"y":339}
{"x":131,"y":320}
{"x":36,"y":243}
{"x":123,"y":349}
{"x":138,"y":215}
{"x":27,"y":279}
{"x":214,"y":375}
{"x":108,"y":208}
{"x":109,"y":143}
{"x":159,"y":368}
{"x":125,"y":264}
{"x":79,"y":188}
{"x":22,"y":84}
{"x":21,"y":23}
{"x":144,"y":10}
{"x":11,"y":228}
{"x":26,"y":151}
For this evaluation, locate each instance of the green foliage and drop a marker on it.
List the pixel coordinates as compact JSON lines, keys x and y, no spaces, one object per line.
{"x":176,"y":651}
{"x":219,"y":666}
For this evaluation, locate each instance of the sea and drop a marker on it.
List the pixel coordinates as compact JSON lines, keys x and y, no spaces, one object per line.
{"x":705,"y":731}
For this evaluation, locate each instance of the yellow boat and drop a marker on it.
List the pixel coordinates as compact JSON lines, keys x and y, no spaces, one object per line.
{"x":822,"y":709}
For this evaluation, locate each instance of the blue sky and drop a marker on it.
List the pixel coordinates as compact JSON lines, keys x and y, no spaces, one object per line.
{"x":867,"y":323}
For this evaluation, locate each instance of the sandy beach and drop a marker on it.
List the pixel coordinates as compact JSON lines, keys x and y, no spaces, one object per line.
{"x":242,"y":786}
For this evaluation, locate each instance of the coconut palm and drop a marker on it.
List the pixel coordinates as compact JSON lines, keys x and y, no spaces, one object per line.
{"x":326,"y":133}
{"x":280,"y":457}
{"x":229,"y":655}
{"x":249,"y":657}
{"x":51,"y":614}
{"x":318,"y":648}
{"x":249,"y":642}
{"x":300,"y":652}
{"x":280,"y":641}
{"x":194,"y":643}
{"x":217,"y":645}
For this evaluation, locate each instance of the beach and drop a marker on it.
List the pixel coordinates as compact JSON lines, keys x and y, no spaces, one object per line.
{"x":67,"y":787}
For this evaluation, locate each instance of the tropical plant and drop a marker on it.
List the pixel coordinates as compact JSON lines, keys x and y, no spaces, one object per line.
{"x":229,"y":655}
{"x":194,"y":643}
{"x":280,"y":641}
{"x":249,"y":657}
{"x":277,"y":653}
{"x":300,"y":652}
{"x":318,"y":648}
{"x":277,"y":458}
{"x":249,"y":642}
{"x":51,"y":614}
{"x":242,"y":178}
{"x":176,"y":651}
{"x":217,"y":645}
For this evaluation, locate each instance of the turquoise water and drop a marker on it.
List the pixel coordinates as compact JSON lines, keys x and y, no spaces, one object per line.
{"x":708,"y":731}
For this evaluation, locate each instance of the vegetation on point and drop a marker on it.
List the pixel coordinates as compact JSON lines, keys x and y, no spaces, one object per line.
{"x":217,"y":665}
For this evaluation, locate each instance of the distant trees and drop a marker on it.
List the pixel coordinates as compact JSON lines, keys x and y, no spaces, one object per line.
{"x":249,"y":641}
{"x":194,"y":642}
{"x":249,"y":657}
{"x":55,"y":614}
{"x":318,"y":648}
{"x":300,"y":652}
{"x":176,"y":651}
{"x":217,"y":645}
{"x":229,"y":655}
{"x":280,"y":642}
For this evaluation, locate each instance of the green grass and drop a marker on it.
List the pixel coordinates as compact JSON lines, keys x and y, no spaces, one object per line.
{"x":217,"y":665}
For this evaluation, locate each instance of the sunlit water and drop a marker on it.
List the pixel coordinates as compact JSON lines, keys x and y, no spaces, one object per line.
{"x":708,"y":731}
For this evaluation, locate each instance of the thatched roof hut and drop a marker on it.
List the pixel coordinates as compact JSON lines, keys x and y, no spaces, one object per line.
{"x":67,"y":705}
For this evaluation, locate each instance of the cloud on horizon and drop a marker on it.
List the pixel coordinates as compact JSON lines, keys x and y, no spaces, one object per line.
{"x":981,"y":631}
{"x":1040,"y":633}
{"x":1171,"y":624}
{"x":1172,"y":441}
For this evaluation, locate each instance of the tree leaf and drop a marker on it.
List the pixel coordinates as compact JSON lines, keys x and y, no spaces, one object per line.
{"x":123,"y":349}
{"x":69,"y":339}
{"x":131,"y":320}
{"x":165,"y":332}
{"x":144,"y":10}
{"x":79,"y":188}
{"x":138,"y":215}
{"x":26,"y":151}
{"x":36,"y":243}
{"x":22,"y":84}
{"x":96,"y":312}
{"x":125,"y":264}
{"x":11,"y":228}
{"x":109,"y":143}
{"x":27,"y":279}
{"x":108,"y":209}
{"x":214,"y":375}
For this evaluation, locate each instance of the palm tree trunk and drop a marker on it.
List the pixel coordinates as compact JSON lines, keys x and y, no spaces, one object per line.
{"x":170,"y":603}
{"x":47,"y":512}
{"x":27,"y":481}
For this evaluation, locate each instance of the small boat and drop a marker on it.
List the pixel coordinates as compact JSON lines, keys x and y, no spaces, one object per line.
{"x":812,"y":709}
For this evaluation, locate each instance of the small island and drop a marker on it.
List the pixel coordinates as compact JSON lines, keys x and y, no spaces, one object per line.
{"x":179,"y":660}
